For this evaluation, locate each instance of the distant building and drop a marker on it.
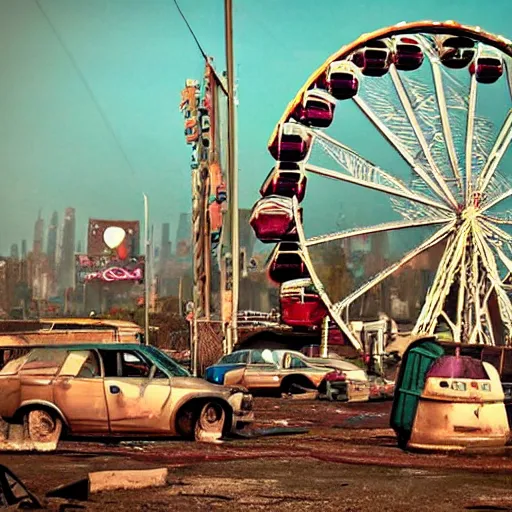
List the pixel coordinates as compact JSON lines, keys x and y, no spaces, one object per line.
{"x":184,"y":237}
{"x":165,"y":248}
{"x":14,"y":252}
{"x":247,"y":237}
{"x":51,"y":250}
{"x":23,"y":249}
{"x":66,"y":271}
{"x":37,"y":247}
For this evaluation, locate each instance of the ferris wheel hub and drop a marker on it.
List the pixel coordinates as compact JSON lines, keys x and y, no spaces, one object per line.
{"x":470,"y":213}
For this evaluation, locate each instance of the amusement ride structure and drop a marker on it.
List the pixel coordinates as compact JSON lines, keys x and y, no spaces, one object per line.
{"x":421,"y":85}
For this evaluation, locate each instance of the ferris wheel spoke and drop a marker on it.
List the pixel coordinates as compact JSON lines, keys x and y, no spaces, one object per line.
{"x":438,"y":236}
{"x":499,"y":241}
{"x":361,"y":168}
{"x":402,"y":150}
{"x":316,"y":280}
{"x":489,"y":225}
{"x":387,"y":226}
{"x":477,"y":287}
{"x":406,"y":103}
{"x":497,"y":152}
{"x":496,"y":237}
{"x":496,"y":200}
{"x":493,"y":276}
{"x":445,"y":121}
{"x":504,"y":259}
{"x":452,"y":262}
{"x":507,"y":220}
{"x":508,"y":69}
{"x":469,"y":138}
{"x":328,"y":173}
{"x":354,"y":163}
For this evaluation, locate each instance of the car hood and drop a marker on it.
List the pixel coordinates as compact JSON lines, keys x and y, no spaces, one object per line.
{"x":217,"y":372}
{"x":195,"y":383}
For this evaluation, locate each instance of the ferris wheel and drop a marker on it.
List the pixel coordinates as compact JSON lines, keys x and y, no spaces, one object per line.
{"x":438,"y":95}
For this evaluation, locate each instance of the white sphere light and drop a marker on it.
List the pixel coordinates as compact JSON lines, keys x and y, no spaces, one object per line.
{"x":114,"y":236}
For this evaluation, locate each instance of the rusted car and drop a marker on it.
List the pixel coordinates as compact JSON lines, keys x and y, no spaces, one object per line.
{"x":111,"y":390}
{"x":287,"y":371}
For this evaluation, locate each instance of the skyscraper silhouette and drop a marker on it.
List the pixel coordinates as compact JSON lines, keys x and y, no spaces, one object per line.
{"x":37,"y":247}
{"x":14,"y":252}
{"x":165,"y":247}
{"x":67,"y":258}
{"x":51,"y":250}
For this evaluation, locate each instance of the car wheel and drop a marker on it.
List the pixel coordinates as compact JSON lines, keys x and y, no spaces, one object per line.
{"x":43,"y":428}
{"x":210,"y":423}
{"x":296,"y":386}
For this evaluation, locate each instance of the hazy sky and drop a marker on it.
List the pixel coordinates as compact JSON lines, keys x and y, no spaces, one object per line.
{"x":55,"y":149}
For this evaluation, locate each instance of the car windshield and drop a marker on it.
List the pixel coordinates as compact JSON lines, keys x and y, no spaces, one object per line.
{"x":175,"y":369}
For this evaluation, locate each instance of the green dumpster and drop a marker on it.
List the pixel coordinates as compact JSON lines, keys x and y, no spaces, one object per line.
{"x":416,"y":362}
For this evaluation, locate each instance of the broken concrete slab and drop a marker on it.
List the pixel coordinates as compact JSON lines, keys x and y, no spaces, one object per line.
{"x":308,"y":395}
{"x":111,"y":481}
{"x":14,"y":438}
{"x":127,"y":479}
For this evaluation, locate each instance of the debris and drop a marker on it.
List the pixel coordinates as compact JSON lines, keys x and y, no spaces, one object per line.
{"x":281,"y":422}
{"x":13,"y":492}
{"x":110,"y":481}
{"x":309,"y":395}
{"x":276,"y":431}
{"x":78,"y":490}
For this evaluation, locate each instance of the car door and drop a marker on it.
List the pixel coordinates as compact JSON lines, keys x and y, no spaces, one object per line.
{"x":261,"y":373}
{"x":137,"y":401}
{"x":79,"y":392}
{"x":294,"y":364}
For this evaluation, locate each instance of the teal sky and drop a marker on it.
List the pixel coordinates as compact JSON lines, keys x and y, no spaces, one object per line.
{"x":55,"y":150}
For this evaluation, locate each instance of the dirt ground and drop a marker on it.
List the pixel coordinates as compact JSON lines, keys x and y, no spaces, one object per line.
{"x":348,"y":461}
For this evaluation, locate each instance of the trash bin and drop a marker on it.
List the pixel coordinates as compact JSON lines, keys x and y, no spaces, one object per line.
{"x":416,"y":361}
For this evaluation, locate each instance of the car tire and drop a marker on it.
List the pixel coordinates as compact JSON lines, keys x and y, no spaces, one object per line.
{"x":296,"y":386}
{"x":43,"y":428}
{"x":209,"y":425}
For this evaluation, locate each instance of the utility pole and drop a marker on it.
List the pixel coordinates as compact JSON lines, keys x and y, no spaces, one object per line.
{"x":147,"y":262}
{"x":232,"y":334}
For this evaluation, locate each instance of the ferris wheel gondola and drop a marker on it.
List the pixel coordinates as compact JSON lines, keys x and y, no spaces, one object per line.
{"x":418,"y":84}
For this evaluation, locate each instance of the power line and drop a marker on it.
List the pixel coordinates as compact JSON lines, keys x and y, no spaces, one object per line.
{"x":203,"y":53}
{"x":87,"y":86}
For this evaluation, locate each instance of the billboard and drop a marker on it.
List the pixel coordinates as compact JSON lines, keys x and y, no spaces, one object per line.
{"x":108,"y":269}
{"x":119,"y":238}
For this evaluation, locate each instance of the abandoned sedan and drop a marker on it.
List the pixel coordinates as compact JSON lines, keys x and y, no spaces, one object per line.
{"x":289,"y":372}
{"x":113,"y":389}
